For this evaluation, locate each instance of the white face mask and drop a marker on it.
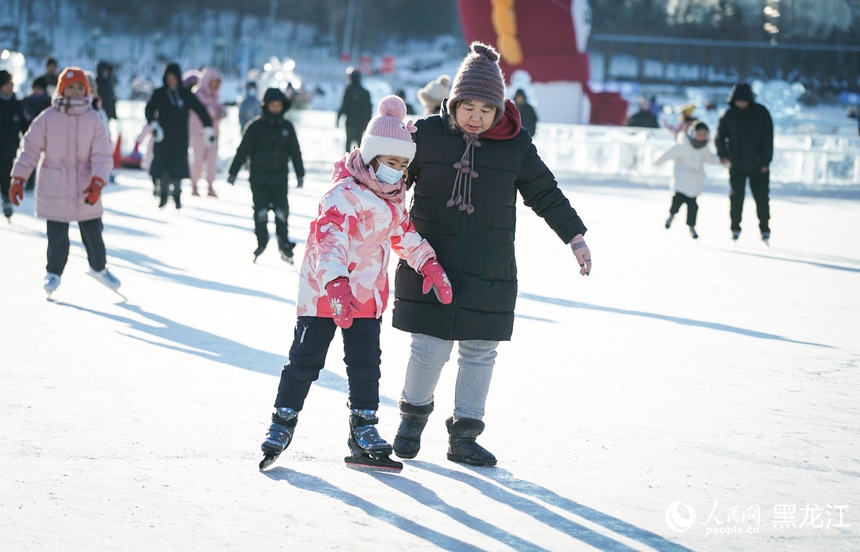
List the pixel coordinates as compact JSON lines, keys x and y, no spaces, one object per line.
{"x":388,"y":174}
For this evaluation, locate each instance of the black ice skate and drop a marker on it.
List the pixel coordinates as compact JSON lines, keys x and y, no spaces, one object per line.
{"x":259,"y":251}
{"x":7,"y":209}
{"x":286,"y":250}
{"x":280,"y":435}
{"x":369,"y":450}
{"x":765,"y":237}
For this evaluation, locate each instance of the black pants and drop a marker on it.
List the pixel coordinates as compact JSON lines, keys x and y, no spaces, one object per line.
{"x":169,"y":186}
{"x":760,"y":187}
{"x":6,"y":177}
{"x":271,"y":197}
{"x":58,"y":244}
{"x":692,"y":207}
{"x":362,"y":356}
{"x":353,"y":136}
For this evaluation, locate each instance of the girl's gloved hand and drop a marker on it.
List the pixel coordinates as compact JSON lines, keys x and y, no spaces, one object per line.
{"x":436,"y":279}
{"x":341,"y":300}
{"x":94,"y":190}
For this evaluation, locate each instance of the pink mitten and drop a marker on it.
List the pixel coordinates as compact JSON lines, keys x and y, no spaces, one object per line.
{"x":582,"y":254}
{"x":436,"y":279}
{"x":340,"y":299}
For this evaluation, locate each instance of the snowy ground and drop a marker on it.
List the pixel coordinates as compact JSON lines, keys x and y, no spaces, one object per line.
{"x":682,"y":378}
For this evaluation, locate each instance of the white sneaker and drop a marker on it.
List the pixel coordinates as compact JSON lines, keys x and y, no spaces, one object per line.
{"x":52,"y":282}
{"x":105,"y":277}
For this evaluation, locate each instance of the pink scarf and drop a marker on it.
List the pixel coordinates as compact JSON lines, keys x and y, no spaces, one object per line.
{"x":352,"y":165}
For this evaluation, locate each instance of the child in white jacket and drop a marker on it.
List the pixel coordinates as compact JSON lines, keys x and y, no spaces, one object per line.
{"x":688,"y":177}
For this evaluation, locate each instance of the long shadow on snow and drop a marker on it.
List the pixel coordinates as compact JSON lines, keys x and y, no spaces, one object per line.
{"x":800,"y":261}
{"x":323,"y":487}
{"x":544,"y":515}
{"x":193,"y":341}
{"x":667,"y":318}
{"x":150,"y":265}
{"x":431,"y":499}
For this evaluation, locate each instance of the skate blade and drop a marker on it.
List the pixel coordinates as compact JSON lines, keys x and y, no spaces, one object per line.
{"x":268,"y":460}
{"x":364,"y":462}
{"x":124,"y":298}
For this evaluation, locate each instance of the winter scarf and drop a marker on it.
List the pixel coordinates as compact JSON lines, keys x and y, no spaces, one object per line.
{"x":72,"y":106}
{"x":352,"y":166}
{"x":508,"y":126}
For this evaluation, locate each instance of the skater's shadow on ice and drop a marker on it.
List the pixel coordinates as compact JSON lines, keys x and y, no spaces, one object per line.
{"x":154,"y":267}
{"x":135,"y":216}
{"x":317,"y":485}
{"x":431,"y":499}
{"x":666,"y":318}
{"x":505,"y":488}
{"x":801,"y":261}
{"x":182,"y":338}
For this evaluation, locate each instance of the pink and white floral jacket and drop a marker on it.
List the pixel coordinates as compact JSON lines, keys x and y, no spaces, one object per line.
{"x":357,"y":227}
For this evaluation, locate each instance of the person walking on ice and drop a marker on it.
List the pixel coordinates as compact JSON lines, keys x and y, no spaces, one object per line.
{"x":688,"y":174}
{"x":471,"y":162}
{"x":269,"y":144}
{"x":343,"y":283}
{"x":70,"y":144}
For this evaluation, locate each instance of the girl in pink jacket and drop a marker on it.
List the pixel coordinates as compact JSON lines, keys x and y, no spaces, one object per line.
{"x":70,"y":144}
{"x":204,"y":153}
{"x":344,"y":283}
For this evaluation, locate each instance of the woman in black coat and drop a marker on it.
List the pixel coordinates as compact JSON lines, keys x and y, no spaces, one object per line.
{"x":464,"y":205}
{"x":167,"y":115}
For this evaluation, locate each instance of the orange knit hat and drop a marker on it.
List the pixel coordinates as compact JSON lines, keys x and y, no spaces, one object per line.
{"x":70,"y":75}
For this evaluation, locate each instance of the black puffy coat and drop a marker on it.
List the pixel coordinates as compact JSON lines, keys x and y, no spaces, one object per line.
{"x":106,"y":82}
{"x":477,"y":250}
{"x":745,"y":136}
{"x":269,"y":143}
{"x":13,"y":124}
{"x":356,"y":105}
{"x":170,"y":108}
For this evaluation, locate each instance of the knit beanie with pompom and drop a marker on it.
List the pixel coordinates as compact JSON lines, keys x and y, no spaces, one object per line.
{"x":387,"y":134}
{"x":479,"y":78}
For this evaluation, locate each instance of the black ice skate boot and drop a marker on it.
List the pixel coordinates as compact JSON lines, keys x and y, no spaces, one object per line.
{"x":413,"y":418}
{"x":368,"y":449}
{"x":279,"y":436}
{"x":462,"y":446}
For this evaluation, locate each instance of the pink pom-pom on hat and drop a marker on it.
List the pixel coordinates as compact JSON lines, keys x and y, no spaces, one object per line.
{"x":387,"y":134}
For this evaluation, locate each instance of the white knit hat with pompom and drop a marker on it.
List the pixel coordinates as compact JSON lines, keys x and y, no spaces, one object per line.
{"x":387,"y":134}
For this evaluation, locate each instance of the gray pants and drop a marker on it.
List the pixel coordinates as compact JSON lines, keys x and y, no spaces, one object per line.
{"x":427,"y":357}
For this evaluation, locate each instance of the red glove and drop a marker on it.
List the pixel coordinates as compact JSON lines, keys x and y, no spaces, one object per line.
{"x":436,"y":279}
{"x":94,"y":190}
{"x":16,"y":190}
{"x":341,"y":300}
{"x":582,"y":254}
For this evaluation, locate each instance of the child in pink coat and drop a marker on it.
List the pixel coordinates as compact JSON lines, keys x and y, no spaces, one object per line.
{"x":70,"y":144}
{"x":204,"y":154}
{"x":344,"y":282}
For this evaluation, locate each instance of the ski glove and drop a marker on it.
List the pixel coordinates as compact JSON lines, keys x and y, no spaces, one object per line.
{"x":436,"y":279}
{"x":341,"y":301}
{"x":231,"y":179}
{"x":300,"y":181}
{"x":157,"y":132}
{"x":582,"y":254}
{"x":94,"y":190}
{"x":16,"y":190}
{"x":209,"y":134}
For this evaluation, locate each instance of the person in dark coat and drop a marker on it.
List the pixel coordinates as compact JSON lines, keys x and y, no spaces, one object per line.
{"x":37,"y":102}
{"x":50,"y":75}
{"x":644,"y":117}
{"x":269,"y":143}
{"x":167,"y":116}
{"x":13,"y":125}
{"x":106,"y":82}
{"x":402,"y":95}
{"x":356,"y":108}
{"x":471,"y":162}
{"x":528,"y":115}
{"x":250,"y":106}
{"x":745,"y":143}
